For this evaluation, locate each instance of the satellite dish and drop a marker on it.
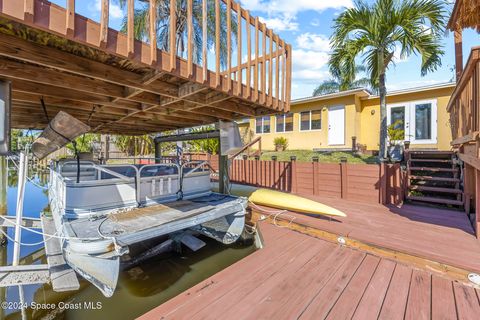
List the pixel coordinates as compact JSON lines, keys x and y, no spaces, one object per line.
{"x":61,"y":130}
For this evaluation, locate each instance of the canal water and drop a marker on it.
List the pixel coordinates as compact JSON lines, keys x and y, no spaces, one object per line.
{"x":139,"y":289}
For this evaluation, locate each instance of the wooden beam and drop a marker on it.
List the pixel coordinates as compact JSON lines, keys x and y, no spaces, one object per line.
{"x":477,"y":203}
{"x":256,"y":65}
{"x":458,"y":53}
{"x":190,"y":37}
{"x":130,"y":27}
{"x":104,"y":20}
{"x":217,"y":44}
{"x":270,"y":70}
{"x":153,"y":31}
{"x":264,"y":66}
{"x":284,"y":82}
{"x":204,"y":40}
{"x":239,"y":49}
{"x":229,"y":45}
{"x":249,"y":55}
{"x":277,"y":72}
{"x":173,"y":34}
{"x":28,"y":10}
{"x":288,"y":57}
{"x":70,"y":21}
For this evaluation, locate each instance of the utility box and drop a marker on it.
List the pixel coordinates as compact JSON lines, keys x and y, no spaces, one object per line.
{"x":230,"y":140}
{"x":5,"y":113}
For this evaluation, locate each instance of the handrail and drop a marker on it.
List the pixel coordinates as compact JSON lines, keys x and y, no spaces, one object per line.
{"x":200,"y":164}
{"x":464,"y":104}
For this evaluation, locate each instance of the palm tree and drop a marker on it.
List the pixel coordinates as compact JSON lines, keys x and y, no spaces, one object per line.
{"x":343,"y":83}
{"x":135,"y":145}
{"x":374,"y":31}
{"x":141,"y":26}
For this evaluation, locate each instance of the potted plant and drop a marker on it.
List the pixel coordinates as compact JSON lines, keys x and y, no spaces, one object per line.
{"x":396,"y":135}
{"x":281,"y":143}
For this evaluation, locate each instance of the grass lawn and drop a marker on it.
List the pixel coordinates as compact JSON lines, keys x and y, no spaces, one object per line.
{"x":329,"y":157}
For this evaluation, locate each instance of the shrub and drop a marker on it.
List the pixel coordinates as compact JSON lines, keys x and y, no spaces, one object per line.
{"x":281,"y":143}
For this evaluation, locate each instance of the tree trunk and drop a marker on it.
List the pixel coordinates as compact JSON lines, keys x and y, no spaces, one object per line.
{"x":383,"y":109}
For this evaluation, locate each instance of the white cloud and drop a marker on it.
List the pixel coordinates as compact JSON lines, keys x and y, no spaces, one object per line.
{"x":315,"y":42}
{"x":315,"y":22}
{"x":114,"y":11}
{"x":279,"y":24}
{"x":309,"y":64}
{"x":295,"y":6}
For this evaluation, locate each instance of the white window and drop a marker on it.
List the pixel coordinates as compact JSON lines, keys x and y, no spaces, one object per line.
{"x":417,"y":120}
{"x":284,"y":122}
{"x":262,"y":125}
{"x":311,"y":120}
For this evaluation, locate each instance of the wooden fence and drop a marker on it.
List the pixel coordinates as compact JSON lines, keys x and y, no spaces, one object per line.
{"x":373,"y":183}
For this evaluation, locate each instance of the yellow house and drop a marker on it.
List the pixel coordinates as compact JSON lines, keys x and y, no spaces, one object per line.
{"x":336,"y":121}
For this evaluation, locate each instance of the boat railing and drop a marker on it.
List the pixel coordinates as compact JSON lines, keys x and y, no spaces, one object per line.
{"x":197,"y":165}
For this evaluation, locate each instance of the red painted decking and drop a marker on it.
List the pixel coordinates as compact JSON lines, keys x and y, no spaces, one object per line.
{"x":441,"y":235}
{"x":298,"y":276}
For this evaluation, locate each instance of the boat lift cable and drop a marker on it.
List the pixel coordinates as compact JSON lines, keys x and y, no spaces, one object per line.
{"x":275,"y":214}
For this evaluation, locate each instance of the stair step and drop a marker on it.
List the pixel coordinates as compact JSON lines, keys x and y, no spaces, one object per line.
{"x":430,"y":178}
{"x":435,"y":189}
{"x":433,"y":169}
{"x":431,"y":160}
{"x":435,"y":200}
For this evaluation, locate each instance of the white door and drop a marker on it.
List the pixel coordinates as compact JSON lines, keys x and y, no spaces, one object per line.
{"x":417,"y":119}
{"x":336,"y":125}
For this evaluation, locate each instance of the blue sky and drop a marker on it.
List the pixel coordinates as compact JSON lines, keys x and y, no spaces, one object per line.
{"x":307,"y":25}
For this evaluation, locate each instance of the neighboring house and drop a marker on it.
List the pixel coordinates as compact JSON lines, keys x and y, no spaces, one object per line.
{"x":333,"y":121}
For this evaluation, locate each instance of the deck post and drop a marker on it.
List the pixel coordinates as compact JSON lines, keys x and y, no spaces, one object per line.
{"x":3,"y":195}
{"x":343,"y":177}
{"x":22,"y":176}
{"x":222,"y":173}
{"x":477,"y":203}
{"x":383,"y":183}
{"x":158,"y":152}
{"x":458,"y":53}
{"x":293,"y":173}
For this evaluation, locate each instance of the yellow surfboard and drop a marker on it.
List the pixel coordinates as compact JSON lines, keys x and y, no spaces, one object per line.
{"x":286,"y":201}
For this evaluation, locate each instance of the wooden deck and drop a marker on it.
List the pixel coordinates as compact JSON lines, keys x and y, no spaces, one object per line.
{"x":297,"y":276}
{"x":440,"y":236}
{"x":119,"y":82}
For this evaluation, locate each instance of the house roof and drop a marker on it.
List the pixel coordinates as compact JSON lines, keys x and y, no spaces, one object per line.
{"x":362,"y":92}
{"x":414,"y":90}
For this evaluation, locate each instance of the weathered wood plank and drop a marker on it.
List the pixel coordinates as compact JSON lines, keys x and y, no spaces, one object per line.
{"x":419,"y":296}
{"x":217,"y":43}
{"x":130,"y":28}
{"x":372,"y":300}
{"x":396,"y":299}
{"x":249,"y":54}
{"x":229,"y":45}
{"x":257,"y":62}
{"x":190,"y":37}
{"x":468,"y":306}
{"x":63,"y":278}
{"x":443,"y":300}
{"x":70,"y":20}
{"x":153,"y":31}
{"x":239,"y":49}
{"x":173,"y":35}
{"x":24,"y":275}
{"x":104,"y":20}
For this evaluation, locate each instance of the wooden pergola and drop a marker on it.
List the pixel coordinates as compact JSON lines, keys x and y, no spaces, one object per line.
{"x":122,"y":85}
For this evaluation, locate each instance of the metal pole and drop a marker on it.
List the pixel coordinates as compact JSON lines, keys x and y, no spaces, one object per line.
{"x":22,"y":176}
{"x":158,"y":152}
{"x":3,"y":193}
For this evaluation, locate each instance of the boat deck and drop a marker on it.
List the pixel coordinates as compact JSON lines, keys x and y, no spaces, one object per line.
{"x":444,"y":238}
{"x":298,"y":276}
{"x":144,"y":223}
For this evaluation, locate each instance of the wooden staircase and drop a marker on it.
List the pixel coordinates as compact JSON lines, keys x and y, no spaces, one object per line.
{"x":434,"y":177}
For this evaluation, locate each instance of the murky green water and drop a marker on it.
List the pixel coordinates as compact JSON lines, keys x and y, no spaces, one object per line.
{"x":139,"y":290}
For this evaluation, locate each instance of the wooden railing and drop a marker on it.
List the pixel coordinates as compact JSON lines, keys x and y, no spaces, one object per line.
{"x":258,"y":70}
{"x":464,"y":105}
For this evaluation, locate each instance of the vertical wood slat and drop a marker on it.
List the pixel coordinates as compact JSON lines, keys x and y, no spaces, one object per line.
{"x":173,"y":35}
{"x":229,"y":44}
{"x":190,"y":37}
{"x":277,"y":72}
{"x":70,"y":21}
{"x":264,"y":61}
{"x":153,"y":31}
{"x":270,"y":69}
{"x":239,"y":49}
{"x":104,"y":18}
{"x":282,"y":97}
{"x":130,"y":27}
{"x":288,"y":57}
{"x":204,"y":40}
{"x":28,"y":9}
{"x":249,"y":55}
{"x":217,"y":42}
{"x":257,"y":63}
